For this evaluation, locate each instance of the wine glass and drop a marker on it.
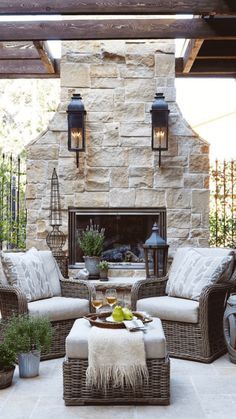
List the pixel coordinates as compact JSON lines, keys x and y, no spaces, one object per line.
{"x":111,"y":296}
{"x":97,"y":300}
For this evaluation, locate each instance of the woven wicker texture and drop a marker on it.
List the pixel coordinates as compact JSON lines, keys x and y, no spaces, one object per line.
{"x":13,"y":302}
{"x":203,"y":341}
{"x":157,"y":391}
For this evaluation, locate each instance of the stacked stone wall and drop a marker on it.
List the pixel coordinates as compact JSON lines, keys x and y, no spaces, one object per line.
{"x":118,"y":81}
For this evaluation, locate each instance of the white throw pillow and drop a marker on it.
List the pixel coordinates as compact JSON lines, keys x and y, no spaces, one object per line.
{"x":52,"y":271}
{"x":26,"y":271}
{"x":195,"y":272}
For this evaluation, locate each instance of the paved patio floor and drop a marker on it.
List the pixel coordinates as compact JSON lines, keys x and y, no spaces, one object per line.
{"x":198,"y":391}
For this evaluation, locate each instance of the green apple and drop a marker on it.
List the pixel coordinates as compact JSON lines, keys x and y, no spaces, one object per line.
{"x":127,"y":314}
{"x":117,"y":314}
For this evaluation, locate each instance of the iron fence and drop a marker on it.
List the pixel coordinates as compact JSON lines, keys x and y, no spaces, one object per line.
{"x":12,"y":202}
{"x":222,"y":204}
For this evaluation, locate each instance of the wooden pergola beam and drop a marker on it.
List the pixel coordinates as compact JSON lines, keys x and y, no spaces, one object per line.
{"x":45,"y":56}
{"x":87,"y":7}
{"x":214,"y":49}
{"x":207,"y":68}
{"x":26,"y":68}
{"x":207,"y":28}
{"x":191,"y":53}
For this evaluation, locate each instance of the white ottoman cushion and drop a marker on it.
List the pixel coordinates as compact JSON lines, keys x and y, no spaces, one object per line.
{"x":59,"y":308}
{"x":170,"y":308}
{"x":77,"y":340}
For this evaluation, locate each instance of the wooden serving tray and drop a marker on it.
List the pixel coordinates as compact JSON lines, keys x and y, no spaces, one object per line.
{"x":100,"y":320}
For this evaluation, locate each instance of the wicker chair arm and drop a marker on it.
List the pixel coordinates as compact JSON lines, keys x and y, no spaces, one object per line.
{"x":77,"y":289}
{"x":212,"y":303}
{"x":12,"y":301}
{"x":148,"y":288}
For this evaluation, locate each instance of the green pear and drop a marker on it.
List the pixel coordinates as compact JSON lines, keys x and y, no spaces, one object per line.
{"x":117,"y":314}
{"x":127,"y":314}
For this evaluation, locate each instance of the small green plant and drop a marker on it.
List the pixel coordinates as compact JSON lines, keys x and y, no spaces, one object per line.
{"x":26,"y":333}
{"x":7,"y":356}
{"x":91,"y":240}
{"x":103,"y":265}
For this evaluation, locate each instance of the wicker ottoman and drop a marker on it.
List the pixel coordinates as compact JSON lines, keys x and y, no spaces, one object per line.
{"x":76,"y":362}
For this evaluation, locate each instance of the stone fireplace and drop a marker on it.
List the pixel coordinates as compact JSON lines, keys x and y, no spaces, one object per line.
{"x":119,"y":173}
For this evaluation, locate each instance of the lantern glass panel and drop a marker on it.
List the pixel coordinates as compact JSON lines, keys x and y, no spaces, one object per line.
{"x":77,"y":138}
{"x":160,"y":138}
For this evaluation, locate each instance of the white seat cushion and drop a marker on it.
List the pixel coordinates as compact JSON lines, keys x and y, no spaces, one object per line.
{"x":170,"y":308}
{"x":59,"y":308}
{"x":77,"y":340}
{"x":52,"y":271}
{"x":192,"y":270}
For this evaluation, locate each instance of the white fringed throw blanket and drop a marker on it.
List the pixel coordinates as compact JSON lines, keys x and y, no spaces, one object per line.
{"x":117,"y":358}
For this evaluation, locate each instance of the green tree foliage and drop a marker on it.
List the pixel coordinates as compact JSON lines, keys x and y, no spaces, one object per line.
{"x":26,"y":107}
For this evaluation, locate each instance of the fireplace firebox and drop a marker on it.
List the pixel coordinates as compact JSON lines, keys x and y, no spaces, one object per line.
{"x":126,"y":230}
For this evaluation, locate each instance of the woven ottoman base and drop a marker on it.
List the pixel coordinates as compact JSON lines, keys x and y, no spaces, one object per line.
{"x":156,"y":392}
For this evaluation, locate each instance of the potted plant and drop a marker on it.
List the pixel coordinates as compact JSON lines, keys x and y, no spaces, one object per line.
{"x":29,"y":336}
{"x":103,"y":266}
{"x":7,"y":364}
{"x":91,"y":243}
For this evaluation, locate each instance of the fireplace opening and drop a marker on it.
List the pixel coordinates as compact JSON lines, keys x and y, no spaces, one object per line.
{"x":126,"y":230}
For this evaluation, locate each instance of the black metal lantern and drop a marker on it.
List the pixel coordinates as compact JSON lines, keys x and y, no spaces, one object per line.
{"x":155,"y":253}
{"x":76,"y":125}
{"x":160,"y":114}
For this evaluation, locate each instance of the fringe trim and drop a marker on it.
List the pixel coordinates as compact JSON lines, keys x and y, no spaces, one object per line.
{"x":132,"y":376}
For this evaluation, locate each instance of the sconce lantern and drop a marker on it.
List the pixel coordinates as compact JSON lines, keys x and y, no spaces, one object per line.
{"x":76,"y":125}
{"x":160,"y":114}
{"x":155,"y":253}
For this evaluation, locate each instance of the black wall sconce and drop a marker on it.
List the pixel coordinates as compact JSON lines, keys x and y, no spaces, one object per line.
{"x":76,"y":125}
{"x":160,"y":114}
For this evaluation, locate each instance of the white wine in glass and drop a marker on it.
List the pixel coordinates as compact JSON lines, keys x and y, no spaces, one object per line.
{"x":111,"y":297}
{"x":97,"y":300}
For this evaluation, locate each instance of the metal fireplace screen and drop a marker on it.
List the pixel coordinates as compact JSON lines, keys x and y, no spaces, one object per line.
{"x":125,"y":231}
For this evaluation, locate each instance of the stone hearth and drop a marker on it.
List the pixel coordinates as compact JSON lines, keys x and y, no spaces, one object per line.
{"x":118,"y":81}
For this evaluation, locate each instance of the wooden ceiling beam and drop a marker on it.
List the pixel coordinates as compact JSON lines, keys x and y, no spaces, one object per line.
{"x":45,"y":56}
{"x":191,"y":53}
{"x":17,"y":68}
{"x":213,"y":49}
{"x":207,"y":68}
{"x":207,"y":28}
{"x":15,"y":50}
{"x":70,"y":7}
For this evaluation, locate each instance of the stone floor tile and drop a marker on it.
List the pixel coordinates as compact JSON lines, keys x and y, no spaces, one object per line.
{"x":198,"y":391}
{"x":220,"y":407}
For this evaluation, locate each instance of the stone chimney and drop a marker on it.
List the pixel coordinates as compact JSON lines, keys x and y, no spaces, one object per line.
{"x":118,"y":81}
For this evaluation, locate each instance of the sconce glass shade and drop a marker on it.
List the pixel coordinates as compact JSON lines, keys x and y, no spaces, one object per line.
{"x":160,"y":114}
{"x":156,"y":254}
{"x":76,"y":124}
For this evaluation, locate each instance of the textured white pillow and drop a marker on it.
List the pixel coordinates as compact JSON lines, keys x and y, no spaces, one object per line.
{"x":52,"y":271}
{"x":195,"y":272}
{"x":26,"y":271}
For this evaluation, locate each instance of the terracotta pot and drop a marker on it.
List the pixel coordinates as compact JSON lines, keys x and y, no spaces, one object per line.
{"x":6,"y":377}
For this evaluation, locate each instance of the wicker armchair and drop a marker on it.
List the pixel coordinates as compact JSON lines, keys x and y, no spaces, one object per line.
{"x":13,"y":302}
{"x":200,"y":341}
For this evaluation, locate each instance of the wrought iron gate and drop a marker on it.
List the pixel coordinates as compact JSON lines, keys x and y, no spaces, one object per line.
{"x":222,"y":204}
{"x":12,"y":202}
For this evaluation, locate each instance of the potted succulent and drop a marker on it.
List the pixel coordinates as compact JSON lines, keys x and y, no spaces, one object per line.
{"x":7,"y":364}
{"x":29,"y":336}
{"x":91,"y":243}
{"x":103,"y":266}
